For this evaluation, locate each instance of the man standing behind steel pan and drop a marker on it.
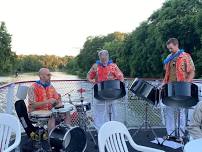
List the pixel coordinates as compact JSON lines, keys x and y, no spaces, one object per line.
{"x":179,"y":67}
{"x":104,"y":69}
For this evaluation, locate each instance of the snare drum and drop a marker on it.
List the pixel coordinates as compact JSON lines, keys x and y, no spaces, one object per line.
{"x":65,"y":109}
{"x":40,"y":115}
{"x":86,"y":105}
{"x":68,"y":138}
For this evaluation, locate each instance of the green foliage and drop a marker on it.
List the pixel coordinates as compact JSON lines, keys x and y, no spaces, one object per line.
{"x":32,"y":63}
{"x":7,"y":57}
{"x":140,"y":53}
{"x":88,"y":55}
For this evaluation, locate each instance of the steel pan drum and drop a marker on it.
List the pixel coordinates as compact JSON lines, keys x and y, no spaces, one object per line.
{"x":109,"y":90}
{"x":180,"y":94}
{"x":145,"y":90}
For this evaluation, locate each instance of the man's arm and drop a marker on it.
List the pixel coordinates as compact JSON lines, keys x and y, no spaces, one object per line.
{"x":190,"y":68}
{"x":194,"y":128}
{"x":92,"y":73}
{"x":118,"y":73}
{"x":190,"y":76}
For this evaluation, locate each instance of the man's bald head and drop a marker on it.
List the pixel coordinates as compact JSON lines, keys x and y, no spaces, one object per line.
{"x":44,"y":74}
{"x":43,"y":71}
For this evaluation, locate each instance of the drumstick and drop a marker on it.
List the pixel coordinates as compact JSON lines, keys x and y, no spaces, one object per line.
{"x":67,"y":93}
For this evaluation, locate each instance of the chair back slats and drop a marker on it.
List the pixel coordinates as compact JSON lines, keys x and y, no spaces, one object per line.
{"x":112,"y":143}
{"x":7,"y":136}
{"x":115,"y":143}
{"x":123,"y":142}
{"x":108,"y":146}
{"x":118,"y":135}
{"x":9,"y":125}
{"x":112,"y":135}
{"x":1,"y":135}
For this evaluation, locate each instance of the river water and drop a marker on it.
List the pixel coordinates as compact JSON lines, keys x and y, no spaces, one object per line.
{"x":127,"y":108}
{"x":34,"y":76}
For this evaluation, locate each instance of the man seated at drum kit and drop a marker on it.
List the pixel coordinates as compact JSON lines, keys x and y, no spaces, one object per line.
{"x":104,"y":69}
{"x":42,"y":97}
{"x":179,"y":67}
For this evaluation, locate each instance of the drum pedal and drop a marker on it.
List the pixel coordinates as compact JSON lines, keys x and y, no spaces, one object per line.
{"x":173,"y":138}
{"x":45,"y":135}
{"x":34,"y":136}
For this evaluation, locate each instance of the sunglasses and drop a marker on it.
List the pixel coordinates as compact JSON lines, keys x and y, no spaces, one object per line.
{"x":48,"y":74}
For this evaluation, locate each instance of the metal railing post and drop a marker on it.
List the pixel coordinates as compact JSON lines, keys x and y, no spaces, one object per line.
{"x":10,"y":98}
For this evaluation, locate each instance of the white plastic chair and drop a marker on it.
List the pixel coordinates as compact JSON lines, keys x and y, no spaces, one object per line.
{"x":193,"y":146}
{"x":112,"y":136}
{"x":8,"y":125}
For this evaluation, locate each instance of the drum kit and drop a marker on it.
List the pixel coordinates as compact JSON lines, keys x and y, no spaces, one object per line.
{"x":63,"y":137}
{"x":175,"y":94}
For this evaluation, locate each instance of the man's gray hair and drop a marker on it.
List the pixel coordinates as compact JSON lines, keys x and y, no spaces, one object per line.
{"x":103,"y":52}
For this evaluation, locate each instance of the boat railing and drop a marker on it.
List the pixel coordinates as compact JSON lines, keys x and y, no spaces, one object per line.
{"x":130,"y":109}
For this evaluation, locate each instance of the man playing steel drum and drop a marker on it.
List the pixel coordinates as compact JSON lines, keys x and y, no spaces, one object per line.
{"x":104,"y":69}
{"x":179,"y":67}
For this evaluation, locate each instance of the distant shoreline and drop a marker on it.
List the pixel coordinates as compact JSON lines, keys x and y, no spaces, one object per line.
{"x":33,"y":76}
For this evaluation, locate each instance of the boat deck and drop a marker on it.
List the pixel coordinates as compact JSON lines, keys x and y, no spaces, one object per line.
{"x":142,"y":138}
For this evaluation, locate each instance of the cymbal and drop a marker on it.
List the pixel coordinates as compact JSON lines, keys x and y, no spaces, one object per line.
{"x":81,"y":90}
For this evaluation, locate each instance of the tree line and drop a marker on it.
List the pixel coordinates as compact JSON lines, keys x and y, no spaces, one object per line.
{"x":141,"y":52}
{"x":138,"y":54}
{"x":11,"y":63}
{"x":32,"y":63}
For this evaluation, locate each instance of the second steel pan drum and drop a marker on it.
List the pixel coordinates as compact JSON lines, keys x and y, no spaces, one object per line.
{"x":109,"y":90}
{"x":145,"y":90}
{"x":180,"y":94}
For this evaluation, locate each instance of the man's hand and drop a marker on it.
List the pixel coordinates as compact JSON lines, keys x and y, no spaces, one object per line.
{"x":52,"y":101}
{"x":60,"y":98}
{"x":60,"y":104}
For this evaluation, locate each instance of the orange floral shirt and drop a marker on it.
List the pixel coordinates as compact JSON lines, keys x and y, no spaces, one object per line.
{"x":184,"y":65}
{"x":109,"y":72}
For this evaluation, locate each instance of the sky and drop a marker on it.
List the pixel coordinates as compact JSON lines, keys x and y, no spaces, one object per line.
{"x":60,"y":27}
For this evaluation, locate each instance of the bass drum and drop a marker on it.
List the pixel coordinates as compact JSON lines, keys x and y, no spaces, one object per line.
{"x":71,"y":139}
